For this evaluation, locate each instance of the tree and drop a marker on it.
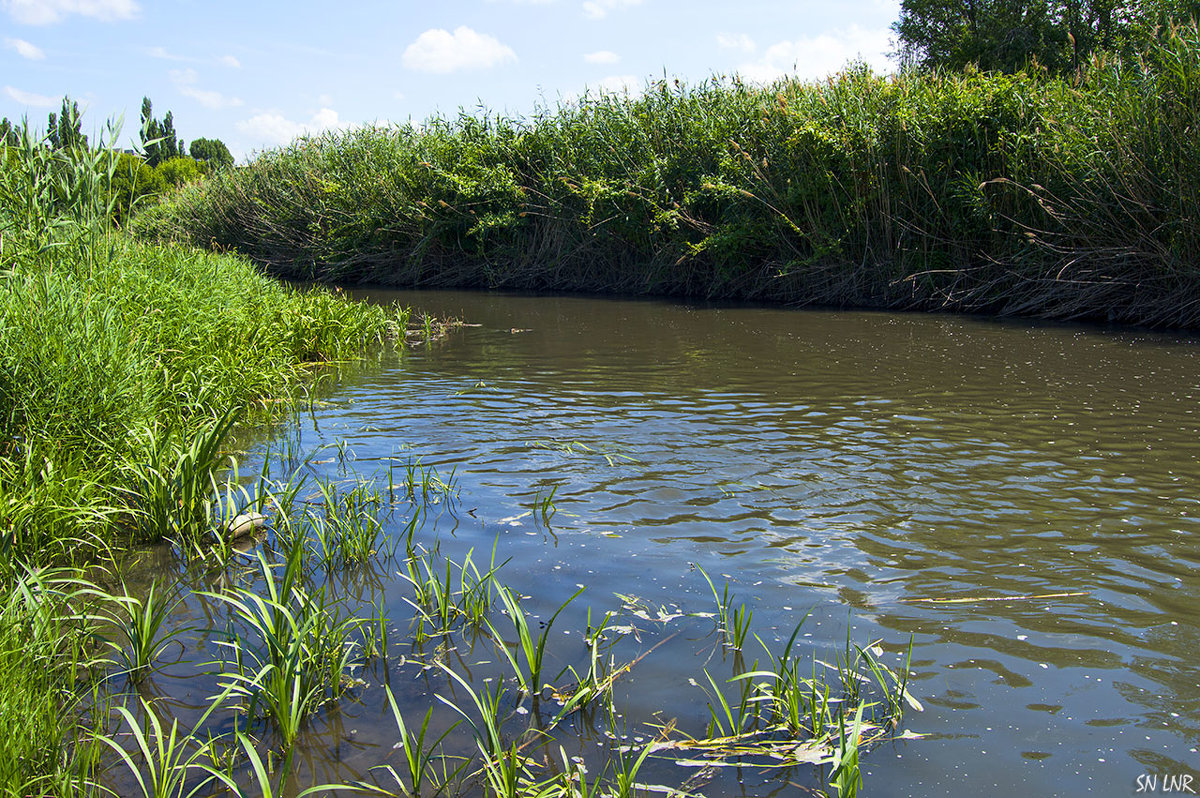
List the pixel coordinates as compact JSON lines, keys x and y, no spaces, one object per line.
{"x":10,"y":135}
{"x":158,"y":138}
{"x":1008,"y":35}
{"x":212,"y":151}
{"x":63,"y":129}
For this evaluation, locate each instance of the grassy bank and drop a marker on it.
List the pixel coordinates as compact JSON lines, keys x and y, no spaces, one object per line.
{"x":117,"y":357}
{"x":124,"y":367}
{"x":1026,"y":195}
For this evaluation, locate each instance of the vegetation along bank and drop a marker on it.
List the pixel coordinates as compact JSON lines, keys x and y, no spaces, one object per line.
{"x":1061,"y":196}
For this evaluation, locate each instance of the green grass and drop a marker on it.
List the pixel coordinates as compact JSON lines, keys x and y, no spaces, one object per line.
{"x":124,"y":367}
{"x":1018,"y":194}
{"x":125,"y":370}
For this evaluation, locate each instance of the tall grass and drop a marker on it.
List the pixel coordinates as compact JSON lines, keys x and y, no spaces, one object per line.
{"x":123,"y":365}
{"x":44,"y":653}
{"x":1014,"y":194}
{"x":124,"y":370}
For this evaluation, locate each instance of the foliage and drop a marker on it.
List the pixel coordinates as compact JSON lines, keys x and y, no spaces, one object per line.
{"x":116,"y":357}
{"x":133,"y":183}
{"x":63,"y":129}
{"x":178,"y":170}
{"x":158,"y":138}
{"x":1009,"y":35}
{"x":9,"y":135}
{"x":212,"y":151}
{"x":43,"y":651}
{"x":980,"y":192}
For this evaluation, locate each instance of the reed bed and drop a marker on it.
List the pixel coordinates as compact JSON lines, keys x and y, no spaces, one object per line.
{"x":125,"y":370}
{"x":1065,"y":198}
{"x":125,"y":366}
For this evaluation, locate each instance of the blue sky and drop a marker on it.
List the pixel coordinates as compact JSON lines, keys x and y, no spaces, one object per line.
{"x":256,"y":74}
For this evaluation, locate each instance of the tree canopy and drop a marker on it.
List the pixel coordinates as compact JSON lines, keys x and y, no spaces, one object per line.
{"x":158,"y":138}
{"x":212,"y":151}
{"x":1008,"y":35}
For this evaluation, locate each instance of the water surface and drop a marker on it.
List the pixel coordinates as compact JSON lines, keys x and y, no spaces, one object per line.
{"x":848,"y":465}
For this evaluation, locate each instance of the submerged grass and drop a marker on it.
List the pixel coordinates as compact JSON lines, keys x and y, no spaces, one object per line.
{"x":1025,"y":194}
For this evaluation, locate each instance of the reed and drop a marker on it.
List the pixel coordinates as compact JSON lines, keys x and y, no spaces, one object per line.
{"x":290,"y":650}
{"x":1060,"y":197}
{"x":125,"y":366}
{"x":44,"y":660}
{"x":142,"y":624}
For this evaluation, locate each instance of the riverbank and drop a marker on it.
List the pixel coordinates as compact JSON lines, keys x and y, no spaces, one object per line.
{"x":125,"y":367}
{"x":1014,"y":195}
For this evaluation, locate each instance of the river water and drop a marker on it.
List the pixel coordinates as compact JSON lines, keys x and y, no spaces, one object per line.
{"x":858,"y":467}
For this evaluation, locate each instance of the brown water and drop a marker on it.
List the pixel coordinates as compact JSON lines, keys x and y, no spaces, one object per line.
{"x":845,"y":464}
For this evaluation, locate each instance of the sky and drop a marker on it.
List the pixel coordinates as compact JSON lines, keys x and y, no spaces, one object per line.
{"x":256,"y":74}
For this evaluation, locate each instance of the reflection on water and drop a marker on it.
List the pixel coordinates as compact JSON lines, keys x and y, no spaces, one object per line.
{"x":853,"y":464}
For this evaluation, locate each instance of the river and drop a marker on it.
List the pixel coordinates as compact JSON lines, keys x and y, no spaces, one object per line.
{"x":1020,"y":500}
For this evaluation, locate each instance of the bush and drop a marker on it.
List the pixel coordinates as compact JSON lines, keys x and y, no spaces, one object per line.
{"x":134,"y":183}
{"x":178,"y":171}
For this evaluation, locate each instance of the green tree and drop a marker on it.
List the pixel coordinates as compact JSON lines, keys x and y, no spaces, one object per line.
{"x":63,"y":129}
{"x":159,"y":141}
{"x":1009,"y":35}
{"x":10,"y":134}
{"x":212,"y":152}
{"x":134,"y":181}
{"x":177,"y":171}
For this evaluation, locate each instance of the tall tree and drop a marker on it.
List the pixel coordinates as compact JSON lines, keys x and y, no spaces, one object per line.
{"x":159,"y":141}
{"x":170,"y":147}
{"x":9,"y":133}
{"x":63,"y":130}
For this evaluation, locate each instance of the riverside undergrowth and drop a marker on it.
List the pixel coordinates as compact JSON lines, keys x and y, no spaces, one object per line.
{"x":124,"y":365}
{"x":124,"y":370}
{"x":1021,"y":194}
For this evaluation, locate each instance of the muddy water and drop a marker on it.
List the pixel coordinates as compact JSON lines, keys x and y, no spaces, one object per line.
{"x":858,"y":467}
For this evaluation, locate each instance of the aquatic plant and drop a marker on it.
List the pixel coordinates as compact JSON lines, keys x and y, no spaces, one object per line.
{"x":168,"y":757}
{"x":45,"y":628}
{"x":299,"y":653}
{"x":532,"y":646}
{"x":419,"y":756}
{"x":142,"y":625}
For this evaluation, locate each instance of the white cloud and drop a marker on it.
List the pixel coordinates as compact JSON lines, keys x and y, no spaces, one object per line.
{"x":47,"y":12}
{"x":185,"y":81}
{"x":31,"y":99}
{"x":437,"y":50}
{"x":619,"y":84}
{"x":167,"y":55}
{"x":820,"y":56}
{"x":598,"y":9}
{"x":736,"y":41}
{"x":602,"y":57}
{"x":25,"y":49}
{"x":276,"y":129}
